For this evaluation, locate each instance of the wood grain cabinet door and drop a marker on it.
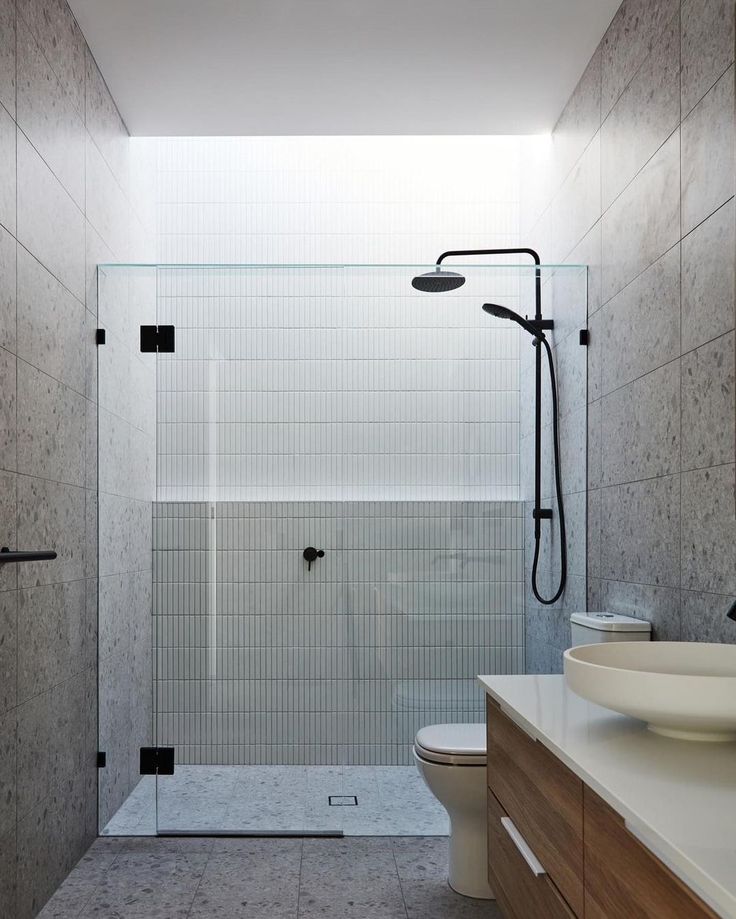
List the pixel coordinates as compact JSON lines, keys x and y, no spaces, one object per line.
{"x":543,"y":798}
{"x":623,"y":879}
{"x":521,"y":893}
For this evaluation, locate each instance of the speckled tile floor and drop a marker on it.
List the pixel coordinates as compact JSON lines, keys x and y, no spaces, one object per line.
{"x":230,"y":878}
{"x":392,"y":801}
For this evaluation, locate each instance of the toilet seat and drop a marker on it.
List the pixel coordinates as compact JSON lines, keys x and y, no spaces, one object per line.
{"x":452,"y":744}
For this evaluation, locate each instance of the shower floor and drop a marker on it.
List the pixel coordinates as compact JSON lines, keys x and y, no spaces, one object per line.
{"x":391,"y":801}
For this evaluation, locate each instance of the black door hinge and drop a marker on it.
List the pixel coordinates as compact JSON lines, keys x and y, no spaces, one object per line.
{"x":101,"y":759}
{"x":584,"y":337}
{"x":157,"y":338}
{"x":100,"y":337}
{"x":157,"y":760}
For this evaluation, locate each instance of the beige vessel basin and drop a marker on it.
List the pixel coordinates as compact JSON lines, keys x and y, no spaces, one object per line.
{"x":681,"y":689}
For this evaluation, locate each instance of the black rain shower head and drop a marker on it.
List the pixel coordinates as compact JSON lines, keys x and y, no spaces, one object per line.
{"x":503,"y":312}
{"x":438,"y":281}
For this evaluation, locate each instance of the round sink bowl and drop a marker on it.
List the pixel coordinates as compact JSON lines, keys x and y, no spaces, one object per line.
{"x":681,"y":689}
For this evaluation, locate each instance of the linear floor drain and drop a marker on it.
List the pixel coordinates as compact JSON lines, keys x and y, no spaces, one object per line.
{"x":343,"y":801}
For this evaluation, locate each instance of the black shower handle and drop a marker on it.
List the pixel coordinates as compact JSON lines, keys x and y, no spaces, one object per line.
{"x":310,"y":554}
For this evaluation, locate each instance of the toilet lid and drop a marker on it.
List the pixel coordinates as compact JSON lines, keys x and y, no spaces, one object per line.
{"x":456,"y":744}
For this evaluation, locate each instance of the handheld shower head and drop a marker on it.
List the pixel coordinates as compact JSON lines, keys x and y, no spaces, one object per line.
{"x":503,"y":312}
{"x":438,"y":281}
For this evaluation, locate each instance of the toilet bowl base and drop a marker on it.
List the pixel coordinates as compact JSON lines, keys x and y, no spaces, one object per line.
{"x":462,"y":791}
{"x":468,"y":874}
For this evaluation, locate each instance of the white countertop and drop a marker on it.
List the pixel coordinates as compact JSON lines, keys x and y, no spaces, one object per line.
{"x":678,"y":797}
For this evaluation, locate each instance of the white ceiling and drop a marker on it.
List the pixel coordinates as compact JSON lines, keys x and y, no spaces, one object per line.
{"x":314,"y":67}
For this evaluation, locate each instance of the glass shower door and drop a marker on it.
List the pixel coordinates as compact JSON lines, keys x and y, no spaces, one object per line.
{"x":310,"y":409}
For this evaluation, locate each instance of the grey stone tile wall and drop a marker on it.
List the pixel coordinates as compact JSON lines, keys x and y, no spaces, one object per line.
{"x":656,"y":103}
{"x":55,"y":117}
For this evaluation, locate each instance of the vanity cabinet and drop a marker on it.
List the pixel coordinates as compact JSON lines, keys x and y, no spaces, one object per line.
{"x":556,"y":850}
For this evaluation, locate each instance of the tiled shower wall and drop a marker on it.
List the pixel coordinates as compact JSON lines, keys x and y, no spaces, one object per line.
{"x":66,"y":203}
{"x":335,"y":384}
{"x":638,"y":182}
{"x":292,"y":200}
{"x":341,"y":410}
{"x":260,"y":660}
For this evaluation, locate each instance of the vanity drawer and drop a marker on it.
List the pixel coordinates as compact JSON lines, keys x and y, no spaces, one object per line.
{"x":543,"y":799}
{"x":623,"y":879}
{"x":521,"y":893}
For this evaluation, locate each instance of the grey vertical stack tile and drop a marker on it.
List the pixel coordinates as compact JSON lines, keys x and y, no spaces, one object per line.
{"x":54,"y":119}
{"x":656,"y":106}
{"x":262,"y":660}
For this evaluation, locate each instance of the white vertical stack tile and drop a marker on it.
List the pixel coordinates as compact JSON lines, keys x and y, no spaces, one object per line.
{"x":342,"y":409}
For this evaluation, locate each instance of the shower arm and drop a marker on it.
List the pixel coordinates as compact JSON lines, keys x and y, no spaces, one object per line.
{"x":539,"y":513}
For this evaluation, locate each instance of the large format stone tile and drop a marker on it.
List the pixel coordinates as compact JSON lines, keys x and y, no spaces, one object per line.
{"x":51,"y":743}
{"x":708,"y":399}
{"x":707,"y":46}
{"x":105,"y":125}
{"x":7,"y":874}
{"x":78,"y":887}
{"x":644,"y":116}
{"x":595,"y":456}
{"x":148,"y":886}
{"x":640,"y":526}
{"x":334,"y":898}
{"x":576,"y":206}
{"x":7,"y":290}
{"x":709,"y":530}
{"x":708,"y":279}
{"x":8,"y":649}
{"x":577,"y":124}
{"x":640,"y":326}
{"x":62,"y":42}
{"x":640,"y":430}
{"x":7,"y":772}
{"x":107,"y":207}
{"x":41,"y":868}
{"x":7,"y":55}
{"x":43,"y":207}
{"x":47,"y":116}
{"x":588,"y":252}
{"x":8,"y":410}
{"x":708,"y":154}
{"x":704,"y":617}
{"x":51,"y":636}
{"x":7,"y":171}
{"x":50,"y":324}
{"x":593,"y":532}
{"x":435,"y":899}
{"x":644,"y":221}
{"x":51,"y":515}
{"x":265,"y":884}
{"x":421,"y":858}
{"x":633,"y":33}
{"x":8,"y":527}
{"x":596,"y":348}
{"x":658,"y":605}
{"x":51,"y":427}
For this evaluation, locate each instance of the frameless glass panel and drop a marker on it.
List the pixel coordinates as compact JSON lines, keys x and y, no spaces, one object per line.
{"x":338,"y":409}
{"x":126,"y":382}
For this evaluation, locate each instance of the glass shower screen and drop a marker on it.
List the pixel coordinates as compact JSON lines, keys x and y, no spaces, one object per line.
{"x":312,"y":508}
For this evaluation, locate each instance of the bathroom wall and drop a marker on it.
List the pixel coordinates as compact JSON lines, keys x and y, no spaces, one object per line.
{"x":65,"y":204}
{"x":637,"y":181}
{"x":291,"y":200}
{"x":339,"y":409}
{"x":260,"y":660}
{"x":336,"y":384}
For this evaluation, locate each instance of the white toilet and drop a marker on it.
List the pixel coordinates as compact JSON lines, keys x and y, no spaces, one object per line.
{"x":452,"y":761}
